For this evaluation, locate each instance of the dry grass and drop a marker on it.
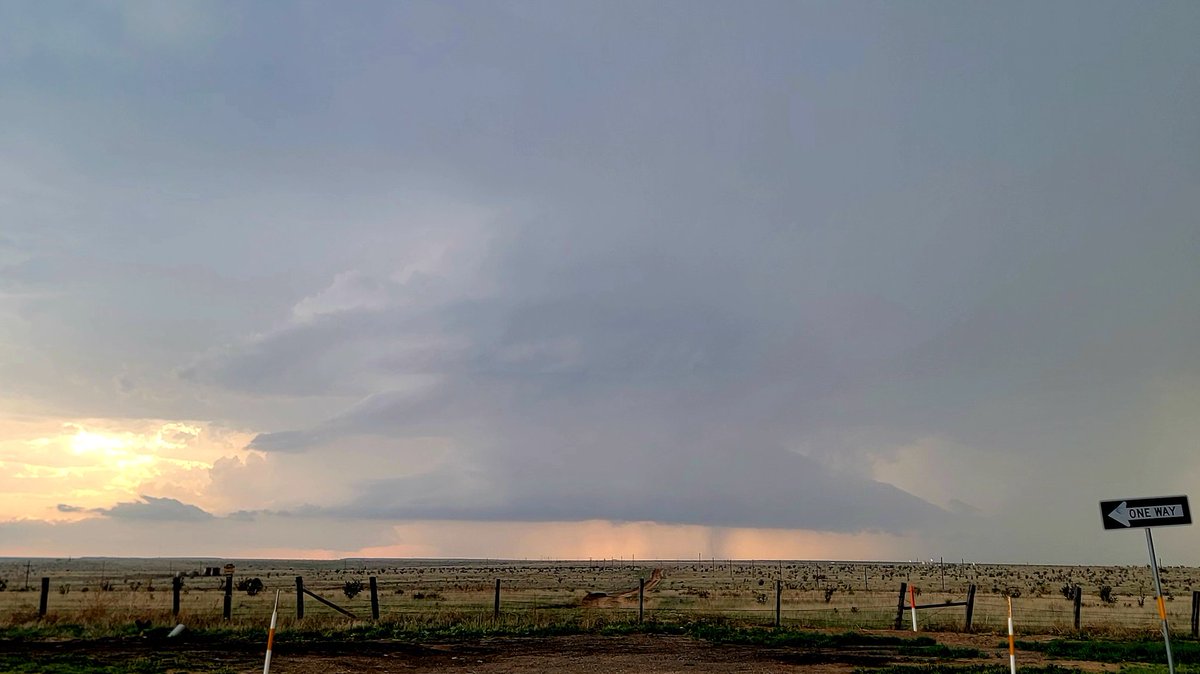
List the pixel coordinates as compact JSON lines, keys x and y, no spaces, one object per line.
{"x":440,"y":593}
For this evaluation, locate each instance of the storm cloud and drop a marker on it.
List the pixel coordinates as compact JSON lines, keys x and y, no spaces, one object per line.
{"x":840,"y":267}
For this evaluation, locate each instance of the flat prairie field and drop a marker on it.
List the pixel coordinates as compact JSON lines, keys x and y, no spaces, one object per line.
{"x":107,"y":593}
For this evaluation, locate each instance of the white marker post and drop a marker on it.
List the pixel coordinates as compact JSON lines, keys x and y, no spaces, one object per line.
{"x":912,"y":602}
{"x":271,"y":635}
{"x":1012,"y":648}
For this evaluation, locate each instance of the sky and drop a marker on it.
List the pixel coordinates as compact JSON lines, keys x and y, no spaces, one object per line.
{"x":802,"y":280}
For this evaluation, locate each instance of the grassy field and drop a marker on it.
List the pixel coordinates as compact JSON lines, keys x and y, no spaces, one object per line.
{"x":101,"y":593}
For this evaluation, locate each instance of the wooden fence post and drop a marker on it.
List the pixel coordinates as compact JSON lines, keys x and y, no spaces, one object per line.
{"x":299,"y":597}
{"x":641,"y":598}
{"x":1079,"y":602}
{"x":496,"y":606}
{"x":778,"y":601}
{"x":900,"y":605}
{"x":1195,"y":614}
{"x":45,"y":597}
{"x":176,"y":585}
{"x":228,"y":607}
{"x":374,"y":599}
{"x":970,"y":605}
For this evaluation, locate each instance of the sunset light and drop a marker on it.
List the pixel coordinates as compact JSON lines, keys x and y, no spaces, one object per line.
{"x":65,"y":471}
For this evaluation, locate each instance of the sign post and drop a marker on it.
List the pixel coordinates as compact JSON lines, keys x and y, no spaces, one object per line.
{"x":1159,"y":511}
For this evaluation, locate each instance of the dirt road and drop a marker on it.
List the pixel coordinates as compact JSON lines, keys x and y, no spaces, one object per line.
{"x":601,"y":600}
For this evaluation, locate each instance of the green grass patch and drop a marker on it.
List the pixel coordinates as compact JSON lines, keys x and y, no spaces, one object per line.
{"x":1104,"y":650}
{"x":1143,"y":668}
{"x":963,"y":669}
{"x":459,"y":627}
{"x":919,"y":646}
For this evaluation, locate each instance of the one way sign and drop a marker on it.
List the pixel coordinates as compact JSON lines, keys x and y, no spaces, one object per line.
{"x":1159,"y":511}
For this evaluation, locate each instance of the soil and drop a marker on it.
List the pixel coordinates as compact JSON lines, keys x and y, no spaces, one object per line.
{"x":564,"y":655}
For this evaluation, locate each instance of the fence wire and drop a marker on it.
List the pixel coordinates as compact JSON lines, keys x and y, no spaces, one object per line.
{"x":850,"y":596}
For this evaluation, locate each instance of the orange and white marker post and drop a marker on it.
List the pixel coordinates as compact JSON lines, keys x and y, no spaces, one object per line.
{"x":912,"y":603}
{"x":271,"y":635}
{"x":1012,"y":648}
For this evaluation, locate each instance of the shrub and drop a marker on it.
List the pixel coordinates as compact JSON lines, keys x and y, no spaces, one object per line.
{"x":250,"y":586}
{"x":1106,"y":594}
{"x":352,"y":588}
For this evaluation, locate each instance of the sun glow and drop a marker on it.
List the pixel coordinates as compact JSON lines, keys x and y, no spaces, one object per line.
{"x":88,"y":442}
{"x":61,"y":470}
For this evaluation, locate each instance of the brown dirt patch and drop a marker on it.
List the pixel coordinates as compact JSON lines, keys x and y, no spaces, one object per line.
{"x":602,"y":600}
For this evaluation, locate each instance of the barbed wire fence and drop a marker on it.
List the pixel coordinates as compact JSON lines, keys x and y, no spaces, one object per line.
{"x":446,"y":599}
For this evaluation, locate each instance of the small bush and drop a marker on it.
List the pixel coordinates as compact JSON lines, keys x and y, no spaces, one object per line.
{"x":352,"y":588}
{"x":251,"y":586}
